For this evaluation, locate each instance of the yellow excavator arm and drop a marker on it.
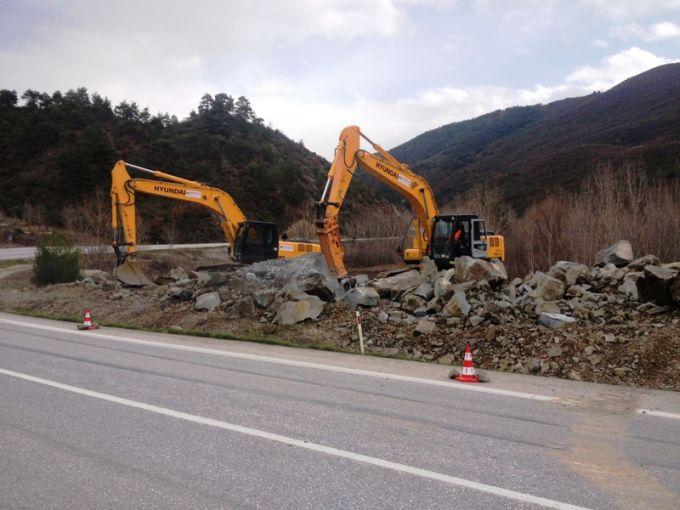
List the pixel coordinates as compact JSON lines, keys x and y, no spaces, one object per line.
{"x":249,"y":241}
{"x":124,"y":188}
{"x":383,"y":166}
{"x":444,"y":237}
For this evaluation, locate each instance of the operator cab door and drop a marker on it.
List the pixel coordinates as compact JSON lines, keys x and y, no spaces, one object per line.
{"x":256,"y":241}
{"x":441,"y":249}
{"x":478,"y":247}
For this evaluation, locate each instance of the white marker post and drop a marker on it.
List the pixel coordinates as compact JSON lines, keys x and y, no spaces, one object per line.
{"x":361,"y":333}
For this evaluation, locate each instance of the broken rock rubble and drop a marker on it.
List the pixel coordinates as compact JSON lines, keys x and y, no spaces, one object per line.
{"x":428,"y":314}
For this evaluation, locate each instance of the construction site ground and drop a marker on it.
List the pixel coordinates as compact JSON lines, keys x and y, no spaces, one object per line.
{"x":653,"y":342}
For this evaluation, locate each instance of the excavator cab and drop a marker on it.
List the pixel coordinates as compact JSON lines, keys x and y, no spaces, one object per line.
{"x":456,"y":235}
{"x":256,"y":241}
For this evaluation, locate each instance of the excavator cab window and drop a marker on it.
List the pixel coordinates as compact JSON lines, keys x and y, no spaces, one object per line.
{"x":457,"y":235}
{"x":441,"y":246}
{"x":478,"y":239}
{"x":256,"y":241}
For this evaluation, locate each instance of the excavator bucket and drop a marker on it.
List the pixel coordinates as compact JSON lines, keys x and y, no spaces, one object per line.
{"x":130,"y":273}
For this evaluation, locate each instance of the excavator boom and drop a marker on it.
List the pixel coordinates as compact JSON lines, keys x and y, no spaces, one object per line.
{"x":249,"y":241}
{"x":433,"y":233}
{"x":384,"y":167}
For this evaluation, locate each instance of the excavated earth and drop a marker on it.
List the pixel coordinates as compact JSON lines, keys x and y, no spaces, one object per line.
{"x":616,"y":323}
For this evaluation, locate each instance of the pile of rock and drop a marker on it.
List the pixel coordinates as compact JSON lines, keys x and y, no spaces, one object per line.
{"x":572,"y":320}
{"x":279,"y":291}
{"x":471,"y":294}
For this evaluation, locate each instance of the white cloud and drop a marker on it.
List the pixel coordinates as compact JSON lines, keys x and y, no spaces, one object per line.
{"x":622,"y":9}
{"x":615,"y":68}
{"x":665,"y":30}
{"x":390,"y":123}
{"x":166,"y":55}
{"x":311,"y":67}
{"x":655,"y":32}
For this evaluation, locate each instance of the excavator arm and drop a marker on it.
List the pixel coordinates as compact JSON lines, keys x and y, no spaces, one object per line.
{"x":249,"y":241}
{"x":383,"y":166}
{"x":124,"y":188}
{"x":123,"y":191}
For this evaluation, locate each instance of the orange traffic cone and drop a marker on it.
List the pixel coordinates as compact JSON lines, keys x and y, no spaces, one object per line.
{"x":468,"y":373}
{"x":87,"y":322}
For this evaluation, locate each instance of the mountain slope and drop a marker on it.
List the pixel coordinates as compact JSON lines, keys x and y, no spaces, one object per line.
{"x":531,"y":151}
{"x":56,"y":151}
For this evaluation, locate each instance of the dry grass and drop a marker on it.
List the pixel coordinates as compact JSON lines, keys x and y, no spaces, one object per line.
{"x":613,"y":204}
{"x":89,"y":224}
{"x":621,"y":203}
{"x":372,"y":235}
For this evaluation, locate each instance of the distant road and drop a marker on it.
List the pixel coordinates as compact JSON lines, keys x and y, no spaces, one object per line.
{"x":28,"y":252}
{"x":116,"y":418}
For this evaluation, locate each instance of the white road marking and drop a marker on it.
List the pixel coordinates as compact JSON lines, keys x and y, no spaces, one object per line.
{"x":366,"y":459}
{"x":282,"y":361}
{"x":659,"y":414}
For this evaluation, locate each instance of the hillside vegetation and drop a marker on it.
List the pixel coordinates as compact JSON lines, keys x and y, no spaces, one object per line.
{"x":56,"y":152}
{"x":530,"y":152}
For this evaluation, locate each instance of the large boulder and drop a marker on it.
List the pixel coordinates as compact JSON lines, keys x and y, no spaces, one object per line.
{"x":211,"y":278}
{"x":569,"y":272}
{"x":394,"y":286}
{"x":97,"y":275}
{"x":178,"y":294}
{"x":620,"y":254}
{"x":550,"y":289}
{"x":457,"y":306}
{"x":208,"y":301}
{"x":629,"y":286}
{"x":675,"y":290}
{"x":318,"y":285}
{"x":443,"y":288}
{"x":264,"y":298}
{"x":292,"y":312}
{"x":361,"y":296}
{"x":555,"y":320}
{"x":178,"y":273}
{"x":411,"y":302}
{"x":536,"y":279}
{"x":470,"y":269}
{"x":607,"y":273}
{"x":640,"y":263}
{"x":655,"y":285}
{"x":428,"y":269}
{"x":425,"y":327}
{"x":425,"y":291}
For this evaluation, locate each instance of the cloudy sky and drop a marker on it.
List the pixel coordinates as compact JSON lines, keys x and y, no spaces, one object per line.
{"x":394,"y":67}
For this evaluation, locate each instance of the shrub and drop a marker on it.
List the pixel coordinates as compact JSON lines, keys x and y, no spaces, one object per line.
{"x":56,"y":261}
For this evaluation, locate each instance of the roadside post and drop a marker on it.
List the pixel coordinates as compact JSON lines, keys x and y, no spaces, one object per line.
{"x":361,"y":333}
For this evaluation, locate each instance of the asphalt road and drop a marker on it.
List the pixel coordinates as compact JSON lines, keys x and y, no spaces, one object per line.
{"x":28,"y":252}
{"x":124,"y":419}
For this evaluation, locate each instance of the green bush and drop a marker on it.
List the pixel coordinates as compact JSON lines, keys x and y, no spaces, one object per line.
{"x":56,"y":261}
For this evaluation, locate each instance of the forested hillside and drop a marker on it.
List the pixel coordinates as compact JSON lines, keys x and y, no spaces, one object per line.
{"x":530,"y":152}
{"x":56,"y":151}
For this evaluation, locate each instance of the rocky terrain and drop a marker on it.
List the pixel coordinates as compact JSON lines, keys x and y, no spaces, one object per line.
{"x":617,"y":322}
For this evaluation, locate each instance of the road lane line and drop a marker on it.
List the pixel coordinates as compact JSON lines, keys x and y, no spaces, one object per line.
{"x":659,"y":414}
{"x":283,"y":361}
{"x":365,"y":459}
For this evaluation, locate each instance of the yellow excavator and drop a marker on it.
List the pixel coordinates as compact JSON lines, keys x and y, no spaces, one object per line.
{"x":442,"y":237}
{"x":249,"y":241}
